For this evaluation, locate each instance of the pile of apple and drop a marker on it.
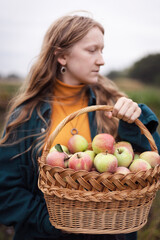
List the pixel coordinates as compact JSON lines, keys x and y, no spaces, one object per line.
{"x":104,"y":155}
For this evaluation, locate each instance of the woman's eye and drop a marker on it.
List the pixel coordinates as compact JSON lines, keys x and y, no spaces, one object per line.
{"x":91,"y":50}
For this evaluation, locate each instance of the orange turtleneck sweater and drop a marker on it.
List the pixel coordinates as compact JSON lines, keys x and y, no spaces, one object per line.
{"x":65,"y":104}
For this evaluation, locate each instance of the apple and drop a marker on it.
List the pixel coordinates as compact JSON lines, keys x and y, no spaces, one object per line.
{"x":139,"y":165}
{"x":77,"y":143}
{"x":122,"y":170}
{"x":91,"y":154}
{"x":80,"y":161}
{"x":105,"y":162}
{"x":151,"y":157}
{"x":136,"y":155}
{"x":124,"y":156}
{"x":124,"y":144}
{"x":56,"y":158}
{"x":103,"y":142}
{"x":64,"y":148}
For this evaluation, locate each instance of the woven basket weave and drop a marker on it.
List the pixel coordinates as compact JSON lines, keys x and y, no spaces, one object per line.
{"x":97,"y":203}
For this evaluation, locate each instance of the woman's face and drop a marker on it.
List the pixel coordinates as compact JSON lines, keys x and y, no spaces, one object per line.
{"x":84,"y":59}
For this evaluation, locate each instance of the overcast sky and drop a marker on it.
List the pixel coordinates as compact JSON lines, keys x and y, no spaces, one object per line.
{"x":132,"y":30}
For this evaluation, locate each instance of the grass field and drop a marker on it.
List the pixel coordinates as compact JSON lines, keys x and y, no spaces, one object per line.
{"x":139,"y":93}
{"x":7,"y":90}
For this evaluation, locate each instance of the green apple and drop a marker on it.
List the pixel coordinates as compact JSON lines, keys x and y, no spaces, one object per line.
{"x":124,"y":156}
{"x":91,"y":154}
{"x":124,"y":144}
{"x":136,"y":155}
{"x":77,"y":143}
{"x":105,"y":162}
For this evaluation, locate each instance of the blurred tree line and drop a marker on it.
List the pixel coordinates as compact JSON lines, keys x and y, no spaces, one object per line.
{"x":146,"y":70}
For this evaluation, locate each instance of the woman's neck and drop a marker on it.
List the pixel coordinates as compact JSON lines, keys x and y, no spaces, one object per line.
{"x":70,"y":81}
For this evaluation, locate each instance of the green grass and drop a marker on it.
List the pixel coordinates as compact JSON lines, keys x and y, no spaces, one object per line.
{"x":7,"y":90}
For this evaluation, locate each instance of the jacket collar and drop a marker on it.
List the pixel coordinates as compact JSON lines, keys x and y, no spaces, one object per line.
{"x":92,"y":99}
{"x":45,"y":108}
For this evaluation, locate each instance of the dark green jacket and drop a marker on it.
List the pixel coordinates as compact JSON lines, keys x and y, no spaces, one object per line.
{"x":21,"y":202}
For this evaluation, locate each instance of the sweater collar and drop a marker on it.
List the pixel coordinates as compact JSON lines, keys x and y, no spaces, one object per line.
{"x":46,"y":106}
{"x":62,"y":90}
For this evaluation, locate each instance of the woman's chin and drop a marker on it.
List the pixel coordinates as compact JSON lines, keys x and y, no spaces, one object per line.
{"x":93,"y":80}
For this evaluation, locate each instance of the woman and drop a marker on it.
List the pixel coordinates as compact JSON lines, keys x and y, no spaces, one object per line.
{"x":64,"y":78}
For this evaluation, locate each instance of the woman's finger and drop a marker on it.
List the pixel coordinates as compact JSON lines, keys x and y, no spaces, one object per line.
{"x":126,"y":110}
{"x":134,"y":116}
{"x":121,"y":107}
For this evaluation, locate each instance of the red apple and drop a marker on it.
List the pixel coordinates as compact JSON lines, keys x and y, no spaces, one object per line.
{"x":122,"y":170}
{"x":105,"y":162}
{"x":151,"y":157}
{"x":56,"y":158}
{"x":139,"y":165}
{"x":80,"y":161}
{"x":103,"y":142}
{"x":77,"y":143}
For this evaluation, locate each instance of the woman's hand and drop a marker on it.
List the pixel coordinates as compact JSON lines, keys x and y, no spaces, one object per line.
{"x":125,"y":109}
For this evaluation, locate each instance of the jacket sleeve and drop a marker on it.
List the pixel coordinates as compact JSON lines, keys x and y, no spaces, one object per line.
{"x":132,"y":134}
{"x":21,"y":203}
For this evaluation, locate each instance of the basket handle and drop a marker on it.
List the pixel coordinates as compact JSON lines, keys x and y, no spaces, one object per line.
{"x":107,"y":108}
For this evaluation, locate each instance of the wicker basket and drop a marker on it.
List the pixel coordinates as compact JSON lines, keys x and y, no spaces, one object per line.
{"x":97,"y":203}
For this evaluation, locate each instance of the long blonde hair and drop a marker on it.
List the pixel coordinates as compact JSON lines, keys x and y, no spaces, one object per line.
{"x":39,"y":84}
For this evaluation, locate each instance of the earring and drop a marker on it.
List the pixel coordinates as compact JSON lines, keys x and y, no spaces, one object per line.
{"x":63,"y":69}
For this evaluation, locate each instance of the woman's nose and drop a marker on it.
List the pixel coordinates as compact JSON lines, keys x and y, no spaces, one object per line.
{"x":100,"y":60}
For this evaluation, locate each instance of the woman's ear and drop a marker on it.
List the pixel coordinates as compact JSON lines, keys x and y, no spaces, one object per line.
{"x":61,"y":58}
